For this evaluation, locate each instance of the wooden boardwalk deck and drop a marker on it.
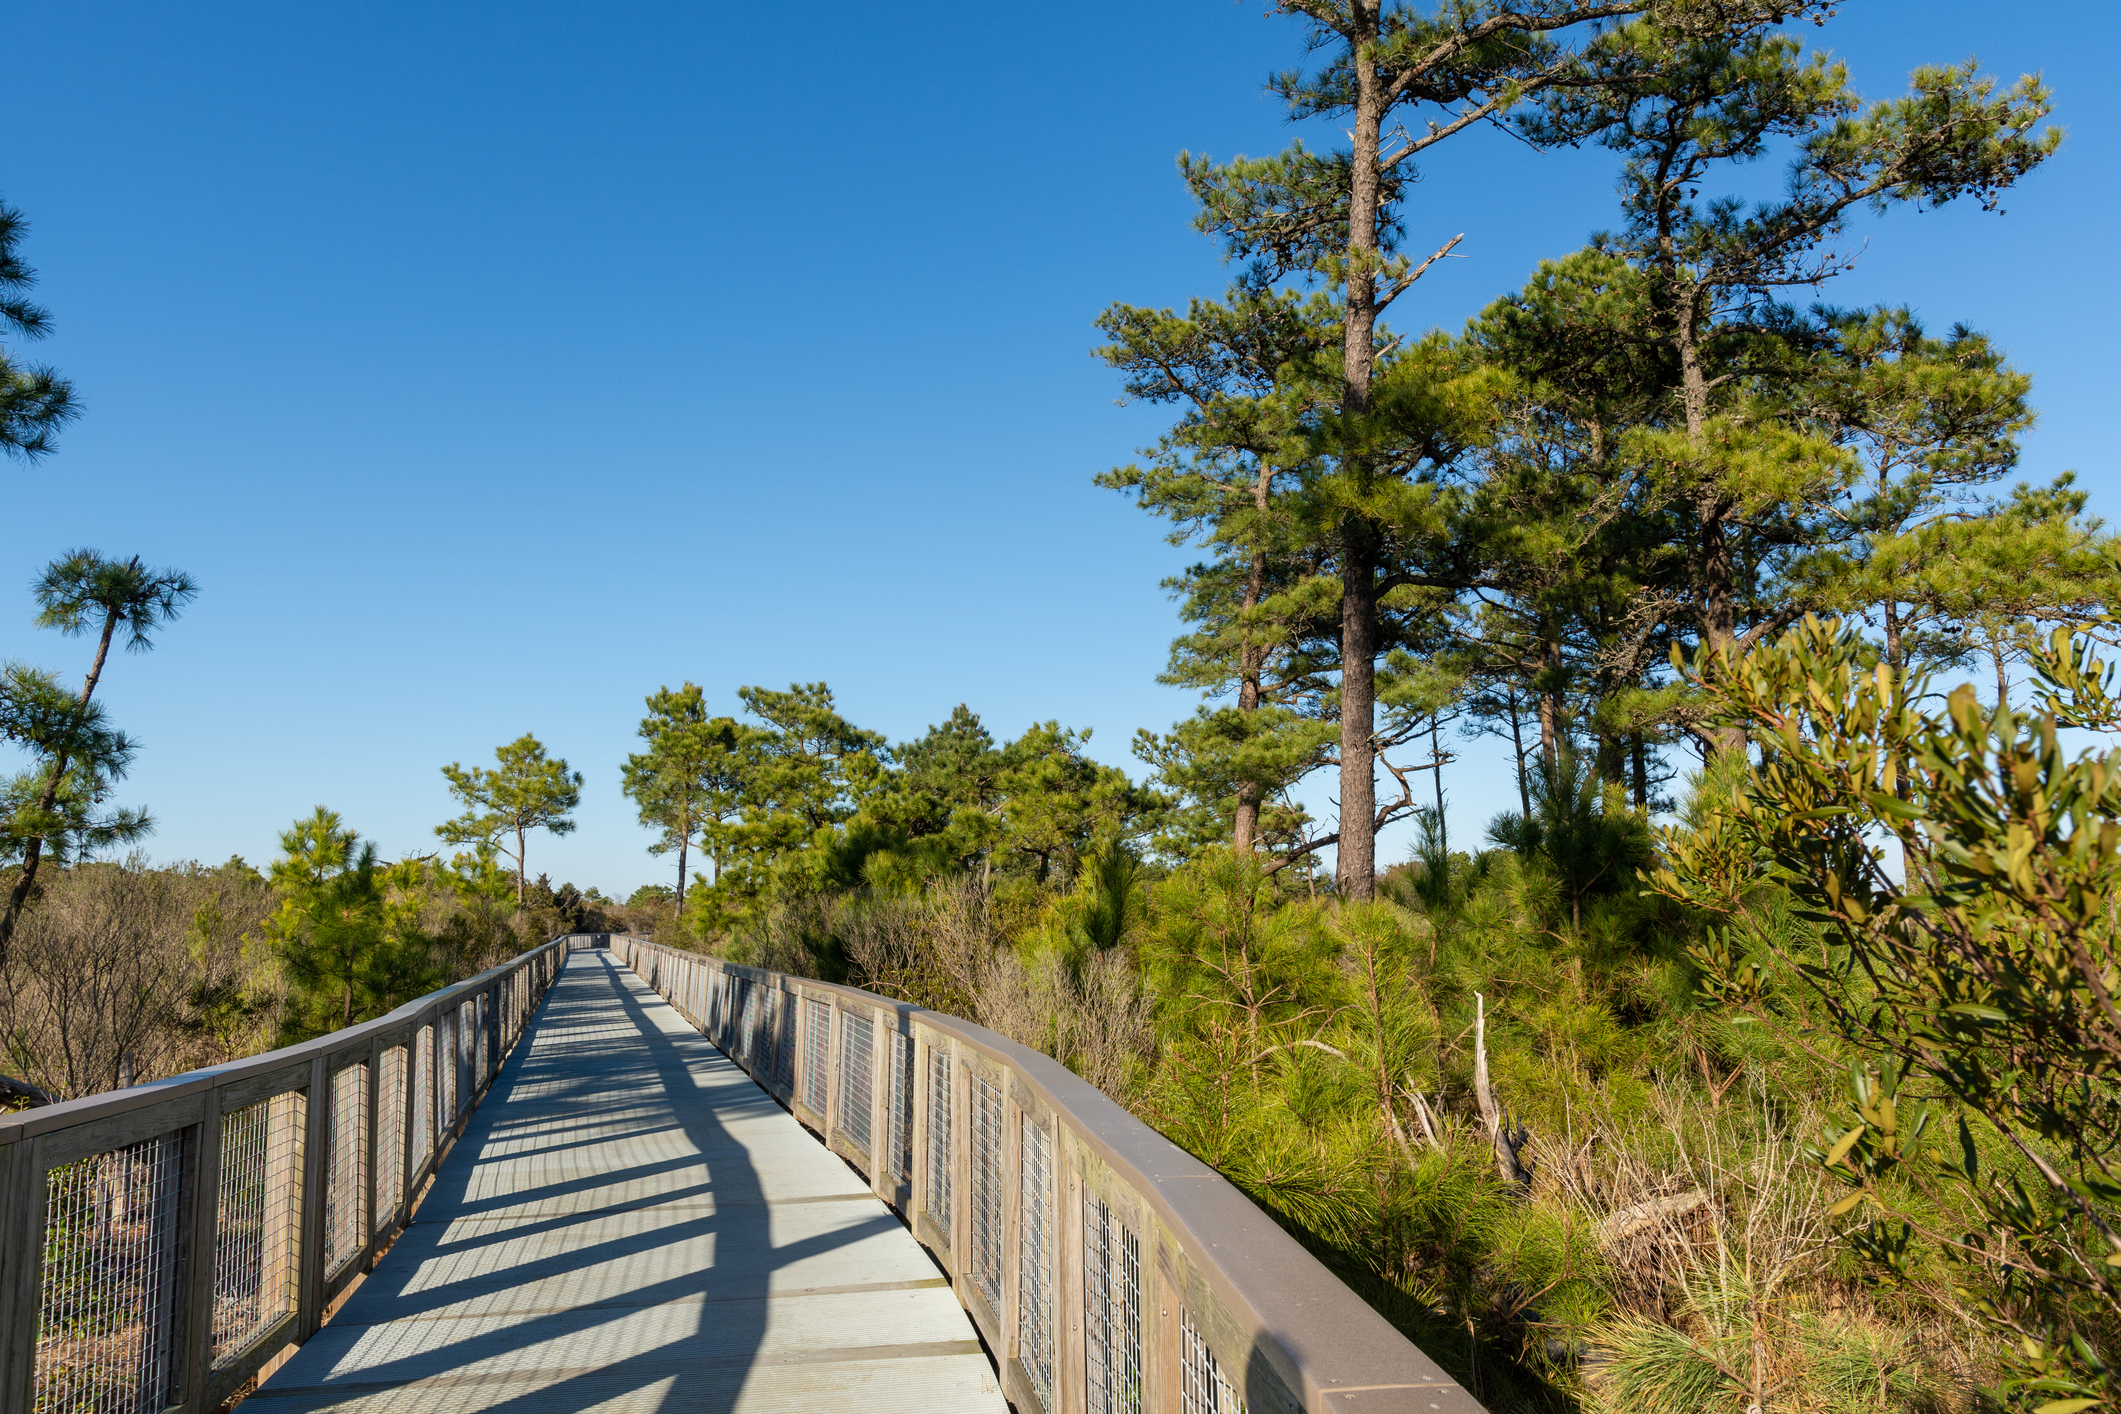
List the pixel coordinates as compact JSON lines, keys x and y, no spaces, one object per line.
{"x":629,"y":1223}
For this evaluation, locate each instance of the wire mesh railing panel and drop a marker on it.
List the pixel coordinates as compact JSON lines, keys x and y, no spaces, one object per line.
{"x":857,"y":1076}
{"x":817,"y":1048}
{"x":423,"y":1088}
{"x":390,"y":1136}
{"x":1036,"y":1239}
{"x":445,"y":1029}
{"x":749,"y":1042}
{"x":345,"y":1168}
{"x":467,"y":1039}
{"x":987,"y":1189}
{"x":939,"y":1136}
{"x":1112,"y":1312}
{"x":259,"y":1205}
{"x":1202,"y":1387}
{"x":107,"y":1298}
{"x":902,"y":1082}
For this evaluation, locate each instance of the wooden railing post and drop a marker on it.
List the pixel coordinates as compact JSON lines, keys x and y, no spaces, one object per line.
{"x":202,"y":1228}
{"x":372,"y":1149}
{"x":21,"y":1267}
{"x":408,"y":1079}
{"x":309,"y":1240}
{"x":494,"y":1049}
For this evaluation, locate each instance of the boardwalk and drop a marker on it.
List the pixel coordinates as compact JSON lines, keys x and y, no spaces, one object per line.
{"x":629,"y":1223}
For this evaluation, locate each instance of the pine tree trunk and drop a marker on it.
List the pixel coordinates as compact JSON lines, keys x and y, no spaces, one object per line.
{"x":1549,"y":732}
{"x":683,"y":840}
{"x":520,"y":862}
{"x":1357,"y":854}
{"x":1524,"y":786}
{"x":1357,"y":851}
{"x":1251,"y":660}
{"x":1715,"y":568}
{"x":1443,"y":831}
{"x":1896,"y":664}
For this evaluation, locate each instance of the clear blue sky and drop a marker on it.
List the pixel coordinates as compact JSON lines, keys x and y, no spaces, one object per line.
{"x":491,"y":365}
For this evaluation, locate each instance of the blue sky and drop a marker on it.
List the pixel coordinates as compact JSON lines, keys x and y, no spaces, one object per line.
{"x":491,"y":365}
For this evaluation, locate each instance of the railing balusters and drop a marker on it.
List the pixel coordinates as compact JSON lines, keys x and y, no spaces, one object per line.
{"x":152,"y":1205}
{"x":1027,"y":1184}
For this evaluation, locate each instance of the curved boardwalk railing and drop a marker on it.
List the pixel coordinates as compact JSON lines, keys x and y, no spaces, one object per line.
{"x":1108,"y":1270}
{"x":160,"y":1245}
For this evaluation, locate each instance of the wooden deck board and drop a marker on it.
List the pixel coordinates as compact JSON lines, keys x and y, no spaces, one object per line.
{"x":629,"y":1223}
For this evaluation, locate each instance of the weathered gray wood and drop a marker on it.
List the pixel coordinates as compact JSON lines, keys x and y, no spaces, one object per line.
{"x":408,"y":1083}
{"x":224,"y":1380}
{"x":21,"y":1250}
{"x":1278,"y":1323}
{"x":241,"y":1094}
{"x":119,"y":1131}
{"x":316,"y":1142}
{"x":202,"y":1225}
{"x":371,"y":1150}
{"x":630,"y":1222}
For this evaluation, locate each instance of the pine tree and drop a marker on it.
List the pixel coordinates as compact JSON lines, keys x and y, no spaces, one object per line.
{"x":69,"y":821}
{"x":805,"y":771}
{"x":334,"y":929}
{"x":1244,"y":373}
{"x":82,"y":592}
{"x":690,"y":776}
{"x":1749,"y":472}
{"x":1335,"y":220}
{"x":35,"y":401}
{"x":526,"y":791}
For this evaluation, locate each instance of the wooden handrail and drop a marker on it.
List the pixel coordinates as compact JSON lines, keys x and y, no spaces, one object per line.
{"x":1225,"y":1306}
{"x":215,"y":1214}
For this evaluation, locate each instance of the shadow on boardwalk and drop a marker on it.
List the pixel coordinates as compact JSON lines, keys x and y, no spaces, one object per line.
{"x":629,"y":1223}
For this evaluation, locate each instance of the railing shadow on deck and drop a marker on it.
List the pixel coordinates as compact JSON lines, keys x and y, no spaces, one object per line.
{"x":161,"y":1245}
{"x":632,"y":1289}
{"x":1108,"y":1271}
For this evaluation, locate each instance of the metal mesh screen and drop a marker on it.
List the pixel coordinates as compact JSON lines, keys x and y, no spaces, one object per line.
{"x":901,"y":1139}
{"x":857,"y":1076}
{"x":390,"y":1136}
{"x":346,"y":1168}
{"x":467,"y":1057}
{"x":260,"y":1200}
{"x":1112,"y":1312}
{"x":423,"y":1089}
{"x":107,"y":1299}
{"x":749,"y":1040}
{"x":817,"y":1060}
{"x":445,"y":1029}
{"x":1201,"y":1386}
{"x":987,"y":1189}
{"x":1035,"y":1260}
{"x":939,"y":1137}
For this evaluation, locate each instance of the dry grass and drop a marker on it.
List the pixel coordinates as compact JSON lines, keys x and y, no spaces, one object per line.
{"x":1720,"y":1263}
{"x":121,"y":971}
{"x":1093,"y":1017}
